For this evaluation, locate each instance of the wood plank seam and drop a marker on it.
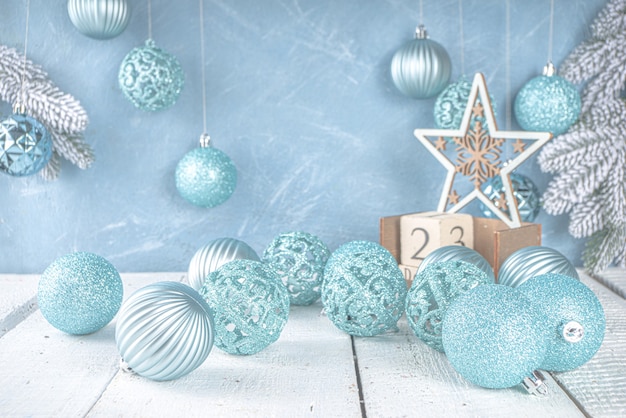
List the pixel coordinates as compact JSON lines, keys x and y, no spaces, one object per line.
{"x":18,"y":315}
{"x":357,"y":373}
{"x":570,"y":395}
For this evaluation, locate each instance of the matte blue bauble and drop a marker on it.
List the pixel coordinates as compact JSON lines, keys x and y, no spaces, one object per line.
{"x":421,"y":68}
{"x":164,"y":331}
{"x":575,"y":319}
{"x":458,"y":253}
{"x":451,"y":104}
{"x":364,"y":291}
{"x":79,"y":293}
{"x":547,"y":103}
{"x":151,"y":78}
{"x":532,"y":261}
{"x":432,"y":291}
{"x":206,"y":177}
{"x":215,"y":254}
{"x":99,"y":19}
{"x":299,"y":259}
{"x":524,"y":190}
{"x":250,"y":306}
{"x":25,"y":145}
{"x":491,"y":336}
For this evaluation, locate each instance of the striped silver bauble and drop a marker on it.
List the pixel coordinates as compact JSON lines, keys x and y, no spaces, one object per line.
{"x":99,"y":19}
{"x":164,"y":331}
{"x":458,"y":253}
{"x":215,"y":254}
{"x":532,"y":261}
{"x":421,"y":68}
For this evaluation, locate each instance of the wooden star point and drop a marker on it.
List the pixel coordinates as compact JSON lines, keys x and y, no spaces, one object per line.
{"x":440,"y":144}
{"x":518,"y":146}
{"x":453,"y":198}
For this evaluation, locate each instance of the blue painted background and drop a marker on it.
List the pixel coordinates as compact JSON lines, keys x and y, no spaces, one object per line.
{"x":299,"y":96}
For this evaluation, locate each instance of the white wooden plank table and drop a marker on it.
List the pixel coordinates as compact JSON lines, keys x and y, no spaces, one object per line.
{"x":312,"y":370}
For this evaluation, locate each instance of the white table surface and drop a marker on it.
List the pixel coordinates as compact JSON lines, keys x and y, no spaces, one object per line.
{"x":312,"y":370}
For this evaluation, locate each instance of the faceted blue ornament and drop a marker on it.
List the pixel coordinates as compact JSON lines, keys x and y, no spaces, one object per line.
{"x":25,"y":145}
{"x":524,"y":190}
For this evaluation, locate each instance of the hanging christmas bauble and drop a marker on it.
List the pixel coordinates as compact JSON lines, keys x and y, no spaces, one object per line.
{"x":363,"y":291}
{"x":25,"y":145}
{"x":432,"y":291}
{"x":206,"y":176}
{"x":547,"y":103}
{"x":524,"y":190}
{"x":458,"y":253}
{"x":215,"y":254}
{"x":250,"y":306}
{"x":492,"y":338}
{"x":421,"y":68}
{"x":451,"y":104}
{"x":164,"y":331}
{"x":151,"y":78}
{"x":299,"y":259}
{"x":575,"y":319}
{"x":80,"y":293}
{"x":99,"y":19}
{"x":532,"y":261}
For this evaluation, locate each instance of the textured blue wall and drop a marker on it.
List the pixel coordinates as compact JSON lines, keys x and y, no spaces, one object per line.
{"x":299,"y":96}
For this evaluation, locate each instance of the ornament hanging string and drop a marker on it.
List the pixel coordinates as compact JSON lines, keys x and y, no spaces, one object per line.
{"x":421,"y":4}
{"x":551,"y":32}
{"x":149,"y":19}
{"x":462,"y":37}
{"x":203,"y":72}
{"x":507,"y":58}
{"x":20,"y":105}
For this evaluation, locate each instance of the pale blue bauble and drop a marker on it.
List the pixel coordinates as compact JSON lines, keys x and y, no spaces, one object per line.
{"x":80,"y":293}
{"x":25,"y":145}
{"x":458,"y":253}
{"x":532,"y":261}
{"x":99,"y":19}
{"x":524,"y":190}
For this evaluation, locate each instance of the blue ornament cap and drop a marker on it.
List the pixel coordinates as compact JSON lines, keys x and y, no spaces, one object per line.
{"x":575,"y":319}
{"x":80,"y":293}
{"x":524,"y":190}
{"x":25,"y":145}
{"x":492,"y":337}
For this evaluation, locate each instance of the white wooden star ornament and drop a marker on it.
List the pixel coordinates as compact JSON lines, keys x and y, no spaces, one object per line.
{"x":478,"y":146}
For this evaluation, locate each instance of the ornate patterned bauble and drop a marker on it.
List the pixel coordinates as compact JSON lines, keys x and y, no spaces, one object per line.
{"x":458,"y":253}
{"x":451,"y":103}
{"x":432,"y":291}
{"x":575,"y":319}
{"x":547,"y":103}
{"x":80,"y":293}
{"x":299,"y":259}
{"x":363,"y":290}
{"x":491,"y":337}
{"x":164,"y":331}
{"x":151,"y":78}
{"x":250,"y":304}
{"x":532,"y":261}
{"x":215,"y":254}
{"x":99,"y":19}
{"x":206,"y":177}
{"x":421,"y":68}
{"x":524,"y":190}
{"x":25,"y":145}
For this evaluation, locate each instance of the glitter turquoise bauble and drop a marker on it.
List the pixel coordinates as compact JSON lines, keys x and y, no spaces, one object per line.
{"x":215,"y":254}
{"x":432,"y":291}
{"x":206,"y":177}
{"x":25,"y":145}
{"x":80,"y":293}
{"x":547,"y":103}
{"x":575,"y":319}
{"x":363,"y":291}
{"x":421,"y":68}
{"x":492,"y":337}
{"x":164,"y":331}
{"x":458,"y":253}
{"x":532,"y":261}
{"x":451,"y":104}
{"x":524,"y":190}
{"x":299,"y":259}
{"x":99,"y":19}
{"x":151,"y":78}
{"x":250,"y":306}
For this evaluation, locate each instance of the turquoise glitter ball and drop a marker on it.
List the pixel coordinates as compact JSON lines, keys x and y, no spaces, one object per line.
{"x":575,"y":319}
{"x":451,"y":104}
{"x":524,"y":190}
{"x":432,"y":291}
{"x":547,"y":103}
{"x":363,"y":291}
{"x":206,"y":177}
{"x":25,"y":145}
{"x":250,"y":306}
{"x":299,"y":259}
{"x":458,"y":253}
{"x":492,"y":336}
{"x":532,"y":261}
{"x":151,"y":78}
{"x":80,"y":293}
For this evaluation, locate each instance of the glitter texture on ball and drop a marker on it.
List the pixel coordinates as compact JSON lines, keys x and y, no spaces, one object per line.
{"x":25,"y":145}
{"x":451,"y":104}
{"x":532,"y":261}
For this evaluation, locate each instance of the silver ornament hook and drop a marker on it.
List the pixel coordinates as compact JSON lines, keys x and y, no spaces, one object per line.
{"x":125,"y":367}
{"x":205,"y":140}
{"x":549,"y":70}
{"x":535,"y":384}
{"x":420,"y":32}
{"x":573,"y":332}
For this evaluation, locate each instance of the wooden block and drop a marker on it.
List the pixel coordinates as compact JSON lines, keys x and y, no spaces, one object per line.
{"x":424,"y":232}
{"x":390,"y":233}
{"x":409,"y":273}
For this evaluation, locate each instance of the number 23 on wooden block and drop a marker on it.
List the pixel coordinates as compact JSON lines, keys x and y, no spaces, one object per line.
{"x":421,"y":233}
